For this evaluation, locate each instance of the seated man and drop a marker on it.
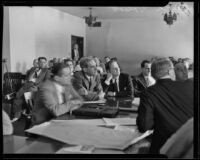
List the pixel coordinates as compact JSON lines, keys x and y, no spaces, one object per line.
{"x":181,"y":72}
{"x":55,"y":96}
{"x":87,"y":81}
{"x":69,"y":62}
{"x":34,"y":77}
{"x":144,"y":79}
{"x":39,"y":74}
{"x":180,"y":144}
{"x":116,"y":83}
{"x":164,"y":106}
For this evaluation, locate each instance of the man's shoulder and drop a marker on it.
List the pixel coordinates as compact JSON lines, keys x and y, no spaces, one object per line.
{"x":124,"y":75}
{"x":78,"y":74}
{"x":47,"y":84}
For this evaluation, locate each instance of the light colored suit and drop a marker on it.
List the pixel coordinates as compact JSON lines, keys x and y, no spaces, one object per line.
{"x":81,"y":83}
{"x":46,"y":102}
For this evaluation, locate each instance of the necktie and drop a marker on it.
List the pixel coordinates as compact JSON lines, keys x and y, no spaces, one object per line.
{"x":90,"y":82}
{"x":116,"y":86}
{"x":35,"y":74}
{"x":147,"y":81}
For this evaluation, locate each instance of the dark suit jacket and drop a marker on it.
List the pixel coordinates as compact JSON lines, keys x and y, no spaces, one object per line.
{"x":81,"y":83}
{"x":46,"y":103}
{"x":164,"y":107}
{"x":73,"y":55}
{"x":125,"y":86}
{"x":139,"y":84}
{"x":44,"y":74}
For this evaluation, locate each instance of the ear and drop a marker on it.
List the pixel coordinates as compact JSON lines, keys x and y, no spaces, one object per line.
{"x":56,"y":78}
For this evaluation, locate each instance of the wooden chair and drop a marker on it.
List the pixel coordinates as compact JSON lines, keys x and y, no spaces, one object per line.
{"x":12,"y":82}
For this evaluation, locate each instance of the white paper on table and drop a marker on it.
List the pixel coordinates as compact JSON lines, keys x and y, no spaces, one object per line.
{"x":136,"y":101}
{"x":142,"y":136}
{"x":38,"y":129}
{"x":130,"y":128}
{"x":100,"y":137}
{"x":77,"y":149}
{"x":119,"y":121}
{"x":95,"y":102}
{"x":95,"y":122}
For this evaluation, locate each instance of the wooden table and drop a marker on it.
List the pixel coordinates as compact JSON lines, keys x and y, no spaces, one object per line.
{"x":39,"y":144}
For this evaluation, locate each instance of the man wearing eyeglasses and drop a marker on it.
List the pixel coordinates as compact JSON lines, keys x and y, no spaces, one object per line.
{"x":87,"y":81}
{"x":144,"y":79}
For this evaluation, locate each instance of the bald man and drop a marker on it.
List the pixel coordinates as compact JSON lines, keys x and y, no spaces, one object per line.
{"x":181,"y":71}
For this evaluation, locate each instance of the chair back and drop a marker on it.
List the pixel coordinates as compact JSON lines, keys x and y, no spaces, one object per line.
{"x":12,"y":82}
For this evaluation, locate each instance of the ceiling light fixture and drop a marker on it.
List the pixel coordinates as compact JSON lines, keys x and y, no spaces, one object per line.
{"x":174,"y":11}
{"x":91,"y":20}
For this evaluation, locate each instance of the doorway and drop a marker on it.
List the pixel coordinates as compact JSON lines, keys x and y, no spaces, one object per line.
{"x":80,"y":41}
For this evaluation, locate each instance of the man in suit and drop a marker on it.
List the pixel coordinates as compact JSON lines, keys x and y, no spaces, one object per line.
{"x":117,"y":84}
{"x":87,"y":81}
{"x":55,"y":96}
{"x":165,"y":106}
{"x":181,"y":71}
{"x":75,"y":53}
{"x":34,"y":77}
{"x":40,"y":73}
{"x":144,"y":79}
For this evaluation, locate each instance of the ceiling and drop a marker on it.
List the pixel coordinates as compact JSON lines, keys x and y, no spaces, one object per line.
{"x":122,"y":12}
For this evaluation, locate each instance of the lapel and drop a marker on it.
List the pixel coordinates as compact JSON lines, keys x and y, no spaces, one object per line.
{"x":41,"y":75}
{"x":86,"y":81}
{"x":142,"y":80}
{"x":31,"y":72}
{"x":121,"y":82}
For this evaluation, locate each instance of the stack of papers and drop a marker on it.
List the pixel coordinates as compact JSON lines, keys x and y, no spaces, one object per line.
{"x":95,"y":102}
{"x":136,"y":101}
{"x":90,"y":134}
{"x":119,"y":121}
{"x":76,"y":149}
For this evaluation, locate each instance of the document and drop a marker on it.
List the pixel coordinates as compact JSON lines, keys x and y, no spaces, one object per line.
{"x":99,"y":137}
{"x":76,"y":149}
{"x":136,"y":101}
{"x":95,"y":122}
{"x":119,"y":121}
{"x":95,"y":102}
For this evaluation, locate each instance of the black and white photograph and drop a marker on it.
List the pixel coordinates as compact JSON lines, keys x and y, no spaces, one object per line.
{"x":107,"y":80}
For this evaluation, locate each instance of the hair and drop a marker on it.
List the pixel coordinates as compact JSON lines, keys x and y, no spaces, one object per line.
{"x":42,"y":58}
{"x":160,"y":67}
{"x":114,"y":58}
{"x":143,"y":63}
{"x":68,"y":60}
{"x":57,"y":68}
{"x":84,"y":61}
{"x":106,"y":57}
{"x":110,"y":62}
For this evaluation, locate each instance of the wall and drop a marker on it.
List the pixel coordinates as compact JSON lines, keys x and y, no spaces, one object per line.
{"x":133,"y":40}
{"x":40,"y":31}
{"x":6,"y":40}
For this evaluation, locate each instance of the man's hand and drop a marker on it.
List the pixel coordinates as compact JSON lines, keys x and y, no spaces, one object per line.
{"x":109,"y":77}
{"x":101,"y":95}
{"x":112,"y":94}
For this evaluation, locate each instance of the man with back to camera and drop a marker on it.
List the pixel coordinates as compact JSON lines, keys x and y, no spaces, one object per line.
{"x":144,"y":79}
{"x":87,"y":81}
{"x":165,"y":106}
{"x":117,"y":84}
{"x":55,"y":96}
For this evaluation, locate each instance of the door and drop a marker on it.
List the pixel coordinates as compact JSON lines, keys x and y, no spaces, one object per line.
{"x":80,"y":42}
